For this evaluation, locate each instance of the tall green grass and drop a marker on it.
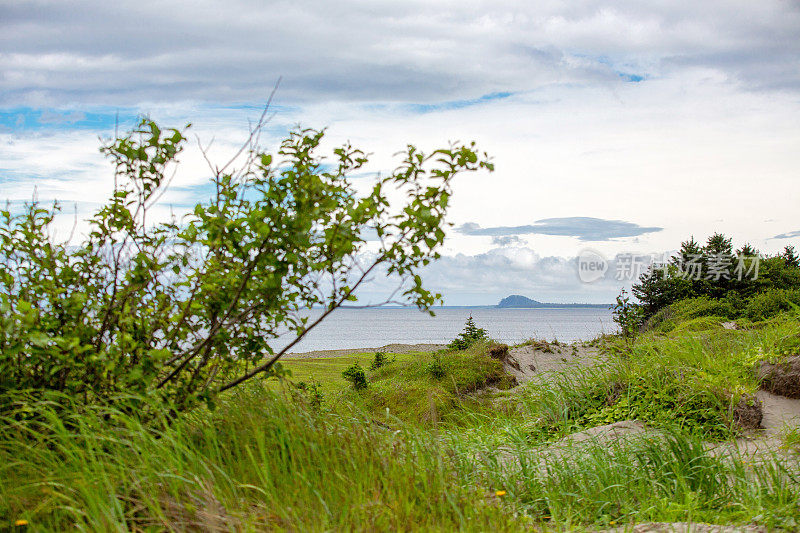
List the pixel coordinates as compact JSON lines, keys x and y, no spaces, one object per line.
{"x":260,"y":461}
{"x":664,"y":478}
{"x":267,"y":459}
{"x":263,"y":461}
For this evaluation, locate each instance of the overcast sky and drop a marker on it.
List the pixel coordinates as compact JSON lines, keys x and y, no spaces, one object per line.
{"x":618,"y":127}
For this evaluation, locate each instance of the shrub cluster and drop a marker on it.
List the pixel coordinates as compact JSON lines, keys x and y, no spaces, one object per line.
{"x":436,"y":368}
{"x":717,"y":281}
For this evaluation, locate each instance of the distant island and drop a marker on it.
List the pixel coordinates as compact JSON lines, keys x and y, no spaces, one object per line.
{"x":517,"y":301}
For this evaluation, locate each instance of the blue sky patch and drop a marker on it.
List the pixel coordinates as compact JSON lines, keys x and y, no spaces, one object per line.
{"x":456,"y":104}
{"x":634,"y":78}
{"x":17,"y":119}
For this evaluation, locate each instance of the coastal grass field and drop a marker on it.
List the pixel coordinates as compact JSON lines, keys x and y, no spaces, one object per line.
{"x":436,"y":441}
{"x":327,"y":371}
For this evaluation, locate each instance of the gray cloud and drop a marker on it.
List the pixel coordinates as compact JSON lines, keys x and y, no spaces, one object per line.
{"x":126,"y":52}
{"x":584,"y":228}
{"x":789,"y":235}
{"x":506,"y":240}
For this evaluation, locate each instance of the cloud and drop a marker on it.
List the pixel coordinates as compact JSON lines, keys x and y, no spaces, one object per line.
{"x":506,"y":240}
{"x":485,"y":278}
{"x":19,"y":119}
{"x":55,"y":53}
{"x":584,"y":228}
{"x":517,"y":270}
{"x":50,"y":117}
{"x":789,"y":235}
{"x":457,"y":104}
{"x":633,"y":78}
{"x":594,"y":107}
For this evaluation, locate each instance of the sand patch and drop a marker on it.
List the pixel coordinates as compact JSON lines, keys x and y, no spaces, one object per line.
{"x":526,"y":362}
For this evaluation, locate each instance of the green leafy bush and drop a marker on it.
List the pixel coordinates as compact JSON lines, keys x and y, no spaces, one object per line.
{"x":699,"y":411}
{"x":770,"y":303}
{"x":185,"y":309}
{"x":381,"y":359}
{"x":668,"y":318}
{"x":469,"y":336}
{"x":356,"y":376}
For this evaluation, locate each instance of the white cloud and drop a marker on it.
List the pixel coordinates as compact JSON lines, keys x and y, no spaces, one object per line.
{"x":706,"y":141}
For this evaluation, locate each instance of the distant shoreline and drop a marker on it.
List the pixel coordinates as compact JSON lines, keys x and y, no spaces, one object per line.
{"x":344,"y":352}
{"x":349,"y":328}
{"x":543,"y":306}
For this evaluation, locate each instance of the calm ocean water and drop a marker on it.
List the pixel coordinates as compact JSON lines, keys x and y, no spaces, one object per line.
{"x":372,"y":328}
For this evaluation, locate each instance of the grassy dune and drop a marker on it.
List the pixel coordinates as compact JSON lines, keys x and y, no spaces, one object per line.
{"x":422,"y":450}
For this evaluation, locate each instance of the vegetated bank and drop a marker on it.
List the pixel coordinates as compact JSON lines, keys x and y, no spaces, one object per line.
{"x":437,"y":441}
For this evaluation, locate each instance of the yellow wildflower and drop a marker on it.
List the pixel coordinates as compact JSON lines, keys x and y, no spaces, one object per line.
{"x":21,"y":523}
{"x":500,"y":493}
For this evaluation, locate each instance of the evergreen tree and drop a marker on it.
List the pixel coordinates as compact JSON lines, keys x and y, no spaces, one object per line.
{"x":747,"y":251}
{"x":790,"y":257}
{"x":650,"y":292}
{"x":719,"y":265}
{"x":719,"y":244}
{"x":469,"y":336}
{"x":689,"y":271}
{"x":689,"y":253}
{"x":744,"y":280}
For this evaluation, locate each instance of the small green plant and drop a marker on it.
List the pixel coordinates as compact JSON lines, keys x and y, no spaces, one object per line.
{"x":356,"y":376}
{"x":627,"y":316}
{"x":310,"y":393}
{"x":790,"y":435}
{"x":381,"y":359}
{"x":436,"y":368}
{"x":469,"y":336}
